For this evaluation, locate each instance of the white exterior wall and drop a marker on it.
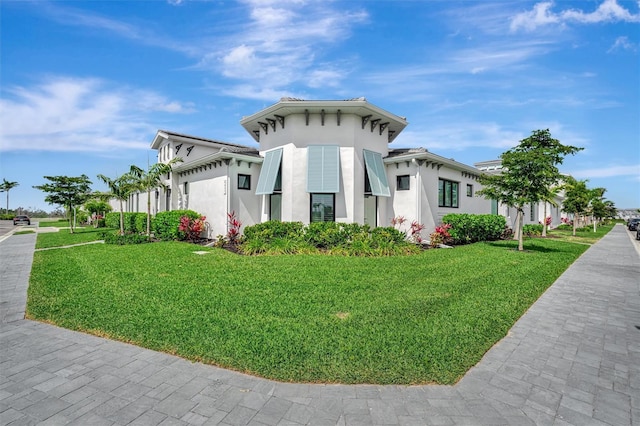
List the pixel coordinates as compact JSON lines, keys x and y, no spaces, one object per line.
{"x":294,"y":140}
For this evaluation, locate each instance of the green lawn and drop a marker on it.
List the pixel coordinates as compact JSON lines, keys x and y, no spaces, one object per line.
{"x":64,"y":238}
{"x":425,"y":318}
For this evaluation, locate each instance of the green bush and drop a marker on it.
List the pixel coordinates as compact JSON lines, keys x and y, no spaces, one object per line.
{"x":269,"y":230}
{"x":114,"y":237}
{"x":349,"y":239}
{"x":112,"y":220}
{"x":531,"y":230}
{"x":165,"y":224}
{"x":5,"y":216}
{"x":470,"y":228}
{"x":130,"y":220}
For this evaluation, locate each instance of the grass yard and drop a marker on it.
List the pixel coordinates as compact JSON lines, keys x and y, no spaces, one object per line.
{"x":416,"y":319}
{"x":583,"y":235}
{"x":64,"y":238}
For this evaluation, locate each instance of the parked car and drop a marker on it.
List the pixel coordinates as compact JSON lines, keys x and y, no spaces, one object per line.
{"x":632,"y":224}
{"x":637,"y":232}
{"x":21,"y":220}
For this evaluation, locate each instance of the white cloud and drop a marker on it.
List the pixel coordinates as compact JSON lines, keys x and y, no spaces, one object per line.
{"x":623,"y":43}
{"x":75,"y":114}
{"x":460,"y":136}
{"x":607,"y":171}
{"x":541,"y":15}
{"x":280,"y":45}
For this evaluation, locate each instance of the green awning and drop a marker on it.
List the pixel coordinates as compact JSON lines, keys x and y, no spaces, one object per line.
{"x":376,"y":173}
{"x":323,"y":169}
{"x":269,"y":172}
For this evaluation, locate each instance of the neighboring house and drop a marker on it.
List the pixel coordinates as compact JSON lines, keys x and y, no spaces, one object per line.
{"x":533,"y":213}
{"x":316,"y":161}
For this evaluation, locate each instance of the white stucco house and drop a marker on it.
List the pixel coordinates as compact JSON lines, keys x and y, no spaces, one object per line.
{"x":315,"y":161}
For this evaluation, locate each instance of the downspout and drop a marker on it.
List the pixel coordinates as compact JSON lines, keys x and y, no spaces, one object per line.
{"x":227,"y":190}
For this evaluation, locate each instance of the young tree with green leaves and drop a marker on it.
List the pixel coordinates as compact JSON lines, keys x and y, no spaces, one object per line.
{"x":577,"y":199}
{"x":529,"y":174}
{"x":97,"y":207}
{"x":67,"y":192}
{"x":119,"y":188}
{"x":151,"y":179}
{"x":6,"y":186}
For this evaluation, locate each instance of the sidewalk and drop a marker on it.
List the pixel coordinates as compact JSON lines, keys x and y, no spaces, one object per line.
{"x":572,"y":359}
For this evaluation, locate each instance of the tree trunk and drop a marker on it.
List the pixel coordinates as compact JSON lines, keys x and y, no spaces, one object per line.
{"x":595,"y":223}
{"x":121,"y":219}
{"x":575,"y":224}
{"x":520,"y":229}
{"x":516,"y":226}
{"x":544,"y":221}
{"x":149,"y":213}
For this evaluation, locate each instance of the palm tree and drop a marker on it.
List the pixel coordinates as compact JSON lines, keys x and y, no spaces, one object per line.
{"x":6,"y":186}
{"x":119,"y":188}
{"x":151,"y":179}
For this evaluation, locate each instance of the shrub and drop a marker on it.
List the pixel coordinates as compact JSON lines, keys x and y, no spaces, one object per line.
{"x":324,"y":234}
{"x":165,"y":224}
{"x":192,"y":228}
{"x":470,"y":228}
{"x":267,"y":231}
{"x":133,"y":222}
{"x":440,"y":236}
{"x":234,"y":227}
{"x":350,"y":239}
{"x":532,"y":230}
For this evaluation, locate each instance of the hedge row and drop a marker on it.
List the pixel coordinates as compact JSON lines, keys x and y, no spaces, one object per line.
{"x":470,"y":228}
{"x":275,"y":237}
{"x":164,"y":225}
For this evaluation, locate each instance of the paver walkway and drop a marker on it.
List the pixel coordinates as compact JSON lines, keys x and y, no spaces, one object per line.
{"x":572,"y":359}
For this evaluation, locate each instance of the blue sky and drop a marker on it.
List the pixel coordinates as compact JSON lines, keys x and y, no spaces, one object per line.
{"x":84,"y":85}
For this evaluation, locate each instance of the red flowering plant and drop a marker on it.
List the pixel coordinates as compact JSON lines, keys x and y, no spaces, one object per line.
{"x":413,"y":234}
{"x":234,"y":227}
{"x":548,"y":221}
{"x":440,"y":235}
{"x":192,"y":228}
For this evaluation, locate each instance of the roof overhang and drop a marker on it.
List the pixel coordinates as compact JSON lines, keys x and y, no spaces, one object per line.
{"x":218,"y":158}
{"x":435,"y":161}
{"x":288,"y":106}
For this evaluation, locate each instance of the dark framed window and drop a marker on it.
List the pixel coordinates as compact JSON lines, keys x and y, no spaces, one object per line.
{"x":322,"y":207}
{"x":469,"y":190}
{"x":244,"y":181}
{"x":402,"y":183}
{"x":367,"y":183}
{"x":167,"y":200}
{"x":448,"y":193}
{"x":185,"y":189}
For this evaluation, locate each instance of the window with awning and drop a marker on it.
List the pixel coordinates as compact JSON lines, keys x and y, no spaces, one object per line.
{"x":269,"y":172}
{"x":323,"y":169}
{"x":376,"y":173}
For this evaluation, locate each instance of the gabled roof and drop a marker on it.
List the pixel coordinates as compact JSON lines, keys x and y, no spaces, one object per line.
{"x":287,"y":106}
{"x":163,"y":135}
{"x":398,"y":155}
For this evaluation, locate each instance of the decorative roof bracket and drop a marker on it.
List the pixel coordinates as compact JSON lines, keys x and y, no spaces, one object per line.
{"x":272,"y":122}
{"x":306,"y":116}
{"x":365,"y":119}
{"x":322,"y":117}
{"x":264,"y":126}
{"x":383,"y":126}
{"x":280,"y":119}
{"x":374,"y":123}
{"x":338,"y":113}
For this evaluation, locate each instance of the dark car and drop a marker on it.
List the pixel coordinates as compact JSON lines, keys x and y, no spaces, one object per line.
{"x":21,"y":219}
{"x":637,"y":232}
{"x":632,"y":224}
